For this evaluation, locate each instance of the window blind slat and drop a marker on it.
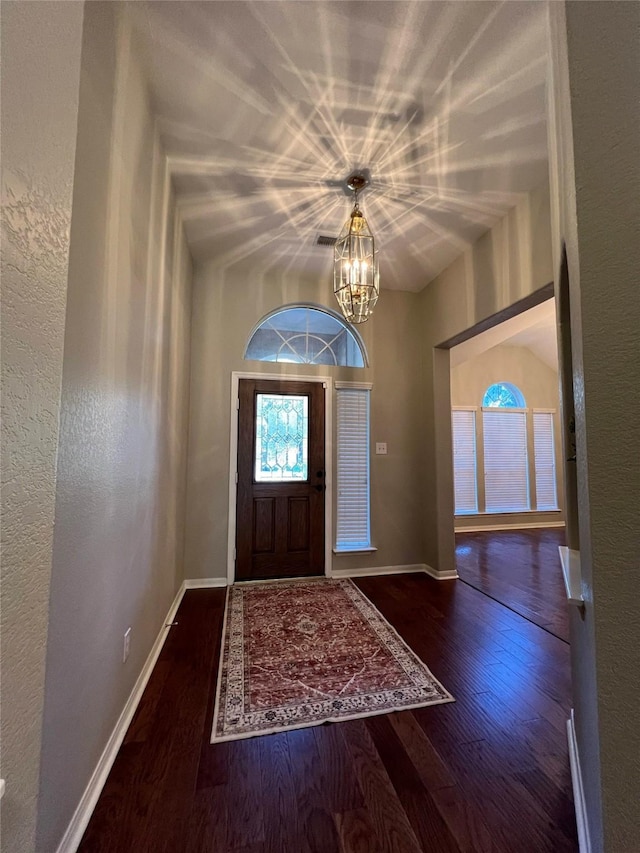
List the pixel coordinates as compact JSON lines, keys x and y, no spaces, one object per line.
{"x":505,"y":461}
{"x":353,"y":525}
{"x":546,"y":489}
{"x":464,"y":461}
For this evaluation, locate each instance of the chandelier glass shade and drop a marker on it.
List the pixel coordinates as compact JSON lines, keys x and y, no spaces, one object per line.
{"x":356,"y":281}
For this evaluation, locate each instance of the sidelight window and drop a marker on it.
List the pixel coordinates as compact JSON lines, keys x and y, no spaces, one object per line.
{"x":353,"y":505}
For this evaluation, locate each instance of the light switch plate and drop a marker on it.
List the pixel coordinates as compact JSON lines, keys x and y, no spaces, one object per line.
{"x":381,"y":448}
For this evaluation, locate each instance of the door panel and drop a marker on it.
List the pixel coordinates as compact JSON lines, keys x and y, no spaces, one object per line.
{"x":298,"y":524}
{"x":281,"y":470}
{"x":264,"y":525}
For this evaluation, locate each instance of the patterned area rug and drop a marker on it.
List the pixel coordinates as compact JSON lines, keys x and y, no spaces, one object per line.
{"x":301,"y":653}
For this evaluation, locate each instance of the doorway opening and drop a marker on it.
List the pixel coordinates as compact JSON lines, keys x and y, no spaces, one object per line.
{"x":508,"y":491}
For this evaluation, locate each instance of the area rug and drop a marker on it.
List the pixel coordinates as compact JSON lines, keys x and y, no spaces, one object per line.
{"x":301,"y":653}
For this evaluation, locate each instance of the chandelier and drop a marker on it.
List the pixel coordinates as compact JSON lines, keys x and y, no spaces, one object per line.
{"x":356,"y":281}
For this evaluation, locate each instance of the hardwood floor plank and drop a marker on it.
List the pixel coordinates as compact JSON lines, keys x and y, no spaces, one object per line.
{"x":245,"y":793}
{"x":391,"y":824}
{"x":279,"y":803}
{"x":465,"y":822}
{"x":315,"y":819}
{"x":423,"y":814}
{"x":343,"y":791}
{"x":208,"y":821}
{"x":429,"y":765}
{"x":356,"y":832}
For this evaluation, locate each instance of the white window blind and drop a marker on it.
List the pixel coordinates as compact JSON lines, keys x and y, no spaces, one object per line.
{"x":546,"y":491}
{"x":464,"y":461}
{"x":353,"y":527}
{"x":505,"y":461}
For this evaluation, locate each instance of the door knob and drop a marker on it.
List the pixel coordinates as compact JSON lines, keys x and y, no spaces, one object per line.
{"x":319,"y":488}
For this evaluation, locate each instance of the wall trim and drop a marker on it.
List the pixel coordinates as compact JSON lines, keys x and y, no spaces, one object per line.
{"x":378,"y":570}
{"x":584,"y":842}
{"x":528,"y":525}
{"x":204,"y":583}
{"x":394,"y":570}
{"x":78,"y":824}
{"x":448,"y":575}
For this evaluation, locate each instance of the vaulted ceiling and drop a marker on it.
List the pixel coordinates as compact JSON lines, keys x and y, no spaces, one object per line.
{"x":534,"y":329}
{"x":265,"y":108}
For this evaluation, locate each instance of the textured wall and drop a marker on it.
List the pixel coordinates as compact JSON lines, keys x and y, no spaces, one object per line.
{"x":41,"y":63}
{"x":122,"y":454}
{"x":508,"y":263}
{"x":595,"y":152}
{"x":225,"y":310}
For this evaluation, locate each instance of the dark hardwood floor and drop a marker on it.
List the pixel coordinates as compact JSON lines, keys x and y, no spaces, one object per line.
{"x":488,"y":773}
{"x":519,"y":568}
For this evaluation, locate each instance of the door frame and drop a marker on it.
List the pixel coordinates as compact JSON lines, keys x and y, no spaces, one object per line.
{"x":327,"y":383}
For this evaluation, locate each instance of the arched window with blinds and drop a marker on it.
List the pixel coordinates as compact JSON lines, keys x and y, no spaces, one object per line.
{"x":517,"y":460}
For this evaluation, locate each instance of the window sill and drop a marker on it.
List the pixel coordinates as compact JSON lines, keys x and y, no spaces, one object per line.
{"x":572,"y":575}
{"x":507,"y":512}
{"x":339,"y":552}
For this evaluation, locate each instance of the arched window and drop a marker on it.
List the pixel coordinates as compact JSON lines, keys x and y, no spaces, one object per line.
{"x":503,"y":395}
{"x":518,"y":444}
{"x":306,"y":334}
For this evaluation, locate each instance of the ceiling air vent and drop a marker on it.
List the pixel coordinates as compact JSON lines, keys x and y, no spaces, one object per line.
{"x":323,"y":240}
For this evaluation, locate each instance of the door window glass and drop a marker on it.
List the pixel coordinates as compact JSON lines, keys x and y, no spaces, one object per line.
{"x":282,"y":428}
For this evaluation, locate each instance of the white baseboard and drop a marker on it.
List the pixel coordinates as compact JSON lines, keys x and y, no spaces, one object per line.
{"x":531,"y":525}
{"x":87,"y":804}
{"x":204,"y":583}
{"x":451,"y":575}
{"x":584,"y":842}
{"x":378,"y":570}
{"x":394,"y":570}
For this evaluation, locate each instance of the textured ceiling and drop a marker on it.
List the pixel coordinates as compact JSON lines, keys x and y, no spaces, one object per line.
{"x":265,"y":107}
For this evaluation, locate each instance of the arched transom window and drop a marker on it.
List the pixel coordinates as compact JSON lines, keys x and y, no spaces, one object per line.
{"x":305,"y":334}
{"x":503,"y":395}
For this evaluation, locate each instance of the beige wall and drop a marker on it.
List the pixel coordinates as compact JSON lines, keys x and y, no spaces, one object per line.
{"x":41,"y":45}
{"x":595,"y":150}
{"x":518,"y":365}
{"x":118,"y":541}
{"x":226,"y":307}
{"x":507,"y":264}
{"x":539,"y":385}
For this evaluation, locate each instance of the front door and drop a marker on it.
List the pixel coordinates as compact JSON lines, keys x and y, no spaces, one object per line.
{"x":281,"y":479}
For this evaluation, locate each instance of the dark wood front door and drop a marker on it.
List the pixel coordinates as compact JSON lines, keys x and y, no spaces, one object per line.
{"x":281,"y":479}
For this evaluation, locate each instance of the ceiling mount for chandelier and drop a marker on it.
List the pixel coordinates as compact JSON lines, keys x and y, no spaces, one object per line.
{"x":356,"y":281}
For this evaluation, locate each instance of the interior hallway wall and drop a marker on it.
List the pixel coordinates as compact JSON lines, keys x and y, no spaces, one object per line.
{"x":594,"y":147}
{"x":227,"y":305}
{"x":119,"y":517}
{"x":41,"y":45}
{"x":507,"y":264}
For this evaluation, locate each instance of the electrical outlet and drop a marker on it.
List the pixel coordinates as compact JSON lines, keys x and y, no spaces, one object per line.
{"x":381,"y":448}
{"x":127,"y":645}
